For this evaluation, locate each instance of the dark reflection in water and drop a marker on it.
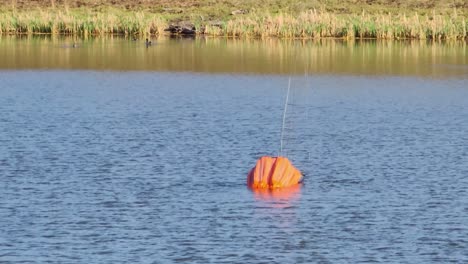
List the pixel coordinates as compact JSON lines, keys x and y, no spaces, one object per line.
{"x":218,"y":55}
{"x":126,"y":167}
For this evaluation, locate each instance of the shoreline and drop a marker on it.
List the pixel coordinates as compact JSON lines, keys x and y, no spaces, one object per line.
{"x":309,"y":24}
{"x":168,"y":35}
{"x":233,"y":38}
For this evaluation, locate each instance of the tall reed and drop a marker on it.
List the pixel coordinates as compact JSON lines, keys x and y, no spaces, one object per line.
{"x":83,"y":23}
{"x":307,"y":24}
{"x":313,"y":24}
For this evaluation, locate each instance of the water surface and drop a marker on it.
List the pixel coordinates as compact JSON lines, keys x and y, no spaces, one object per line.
{"x":150,"y":167}
{"x":218,"y":55}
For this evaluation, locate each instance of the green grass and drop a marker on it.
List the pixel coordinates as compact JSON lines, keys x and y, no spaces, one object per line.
{"x":81,"y":22}
{"x":382,"y":19}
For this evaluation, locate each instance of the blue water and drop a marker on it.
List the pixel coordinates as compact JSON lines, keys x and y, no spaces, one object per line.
{"x":127,"y":167}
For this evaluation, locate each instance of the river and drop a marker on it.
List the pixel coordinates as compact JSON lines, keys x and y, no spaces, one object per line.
{"x":114,"y":152}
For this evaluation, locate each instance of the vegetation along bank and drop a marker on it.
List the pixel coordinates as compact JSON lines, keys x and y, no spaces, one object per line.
{"x":381,"y":19}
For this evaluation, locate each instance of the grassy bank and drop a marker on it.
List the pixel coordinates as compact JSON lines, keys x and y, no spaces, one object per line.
{"x":286,"y":19}
{"x":313,"y":24}
{"x":82,"y":22}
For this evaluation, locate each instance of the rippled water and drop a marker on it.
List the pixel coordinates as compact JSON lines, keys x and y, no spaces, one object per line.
{"x":127,"y":167}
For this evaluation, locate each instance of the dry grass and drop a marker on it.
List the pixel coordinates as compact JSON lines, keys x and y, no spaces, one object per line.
{"x":382,"y":19}
{"x":313,"y":24}
{"x":82,"y":23}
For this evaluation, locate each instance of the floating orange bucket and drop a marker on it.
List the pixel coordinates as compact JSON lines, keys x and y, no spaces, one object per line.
{"x":273,"y":172}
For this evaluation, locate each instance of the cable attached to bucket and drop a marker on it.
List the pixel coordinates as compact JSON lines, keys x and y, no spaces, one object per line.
{"x":284,"y":116}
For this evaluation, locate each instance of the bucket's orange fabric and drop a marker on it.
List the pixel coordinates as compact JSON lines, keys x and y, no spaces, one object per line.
{"x":273,"y":172}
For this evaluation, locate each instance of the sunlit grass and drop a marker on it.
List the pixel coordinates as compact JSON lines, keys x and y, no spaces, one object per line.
{"x":81,"y":22}
{"x":313,"y":24}
{"x":306,"y":24}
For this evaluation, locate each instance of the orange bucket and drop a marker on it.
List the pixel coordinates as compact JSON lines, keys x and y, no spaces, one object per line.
{"x":272,"y":173}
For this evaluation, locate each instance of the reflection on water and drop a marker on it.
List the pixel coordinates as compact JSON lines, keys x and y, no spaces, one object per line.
{"x":214,"y":55}
{"x":285,"y":195}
